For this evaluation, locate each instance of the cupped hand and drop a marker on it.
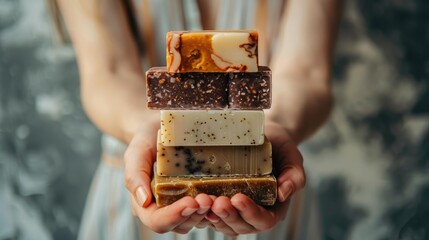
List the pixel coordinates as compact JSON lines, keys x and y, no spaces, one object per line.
{"x":139,"y":158}
{"x":240,"y":214}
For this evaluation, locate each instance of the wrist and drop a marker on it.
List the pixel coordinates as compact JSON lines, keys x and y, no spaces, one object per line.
{"x":137,"y":122}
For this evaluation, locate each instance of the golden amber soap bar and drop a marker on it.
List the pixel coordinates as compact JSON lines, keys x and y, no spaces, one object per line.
{"x":212,"y":51}
{"x":213,"y":160}
{"x":261,"y":189}
{"x":212,"y":127}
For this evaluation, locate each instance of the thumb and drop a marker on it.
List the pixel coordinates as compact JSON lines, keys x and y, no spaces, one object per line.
{"x":291,"y":175}
{"x":139,"y":159}
{"x":287,"y":161}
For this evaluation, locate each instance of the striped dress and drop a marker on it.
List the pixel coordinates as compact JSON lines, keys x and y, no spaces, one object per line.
{"x":107,"y":213}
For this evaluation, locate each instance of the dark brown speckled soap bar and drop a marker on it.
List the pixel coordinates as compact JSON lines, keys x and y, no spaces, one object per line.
{"x":208,"y":90}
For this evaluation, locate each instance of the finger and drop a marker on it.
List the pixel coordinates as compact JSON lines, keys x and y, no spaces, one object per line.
{"x":203,"y":223}
{"x":292,"y":176}
{"x":139,"y":158}
{"x":223,"y":208}
{"x":289,"y":161}
{"x":187,"y":225}
{"x":162,"y":220}
{"x":291,"y":180}
{"x":222,"y":227}
{"x":253,"y":213}
{"x":204,"y":202}
{"x":213,"y":218}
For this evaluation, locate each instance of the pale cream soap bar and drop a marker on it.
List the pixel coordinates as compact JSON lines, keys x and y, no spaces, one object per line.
{"x":212,"y":127}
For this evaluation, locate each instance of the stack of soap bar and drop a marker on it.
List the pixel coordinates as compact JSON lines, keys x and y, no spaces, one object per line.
{"x":212,"y":51}
{"x":211,"y":95}
{"x":208,"y":90}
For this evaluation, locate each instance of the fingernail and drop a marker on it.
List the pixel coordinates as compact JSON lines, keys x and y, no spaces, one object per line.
{"x":223,"y":214}
{"x":141,"y":196}
{"x":285,"y":190}
{"x":214,"y":220}
{"x":203,"y":210}
{"x":188,"y":211}
{"x":239,"y":205}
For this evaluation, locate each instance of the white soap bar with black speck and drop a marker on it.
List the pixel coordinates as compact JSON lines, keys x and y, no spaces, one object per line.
{"x":212,"y":127}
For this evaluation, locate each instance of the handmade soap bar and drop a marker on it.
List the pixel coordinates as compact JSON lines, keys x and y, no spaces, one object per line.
{"x":211,"y":90}
{"x":186,"y":90}
{"x":213,"y":160}
{"x":250,"y":90}
{"x":212,"y":51}
{"x":212,"y":127}
{"x":261,"y":189}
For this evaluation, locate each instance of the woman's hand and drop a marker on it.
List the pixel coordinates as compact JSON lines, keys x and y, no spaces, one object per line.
{"x":240,"y":215}
{"x":180,"y":216}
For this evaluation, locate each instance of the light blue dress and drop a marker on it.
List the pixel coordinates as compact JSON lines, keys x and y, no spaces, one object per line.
{"x":107,"y":214}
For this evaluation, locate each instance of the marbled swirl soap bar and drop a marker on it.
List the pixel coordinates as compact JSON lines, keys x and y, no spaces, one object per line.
{"x":250,"y":90}
{"x":212,"y":51}
{"x":211,"y":90}
{"x":213,"y":160}
{"x":195,"y":90}
{"x":212,"y":127}
{"x":261,"y":189}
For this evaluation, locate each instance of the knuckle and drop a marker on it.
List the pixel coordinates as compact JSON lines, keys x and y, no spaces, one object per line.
{"x":129,"y":182}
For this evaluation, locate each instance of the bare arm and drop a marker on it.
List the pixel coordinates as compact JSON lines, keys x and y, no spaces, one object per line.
{"x":113,"y":93}
{"x":301,"y":103}
{"x":302,"y":96}
{"x":112,"y":82}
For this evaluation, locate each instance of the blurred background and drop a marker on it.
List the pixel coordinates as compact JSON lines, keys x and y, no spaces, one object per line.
{"x":369,"y":164}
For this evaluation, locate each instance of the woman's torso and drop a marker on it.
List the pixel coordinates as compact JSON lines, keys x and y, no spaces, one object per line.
{"x":154,"y":18}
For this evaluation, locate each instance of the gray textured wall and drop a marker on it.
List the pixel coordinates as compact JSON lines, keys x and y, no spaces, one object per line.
{"x":369,"y":163}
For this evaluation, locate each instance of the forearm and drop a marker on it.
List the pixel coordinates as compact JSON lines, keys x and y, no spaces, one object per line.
{"x":118,"y":107}
{"x":299,"y":104}
{"x":302,"y":98}
{"x":112,"y":83}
